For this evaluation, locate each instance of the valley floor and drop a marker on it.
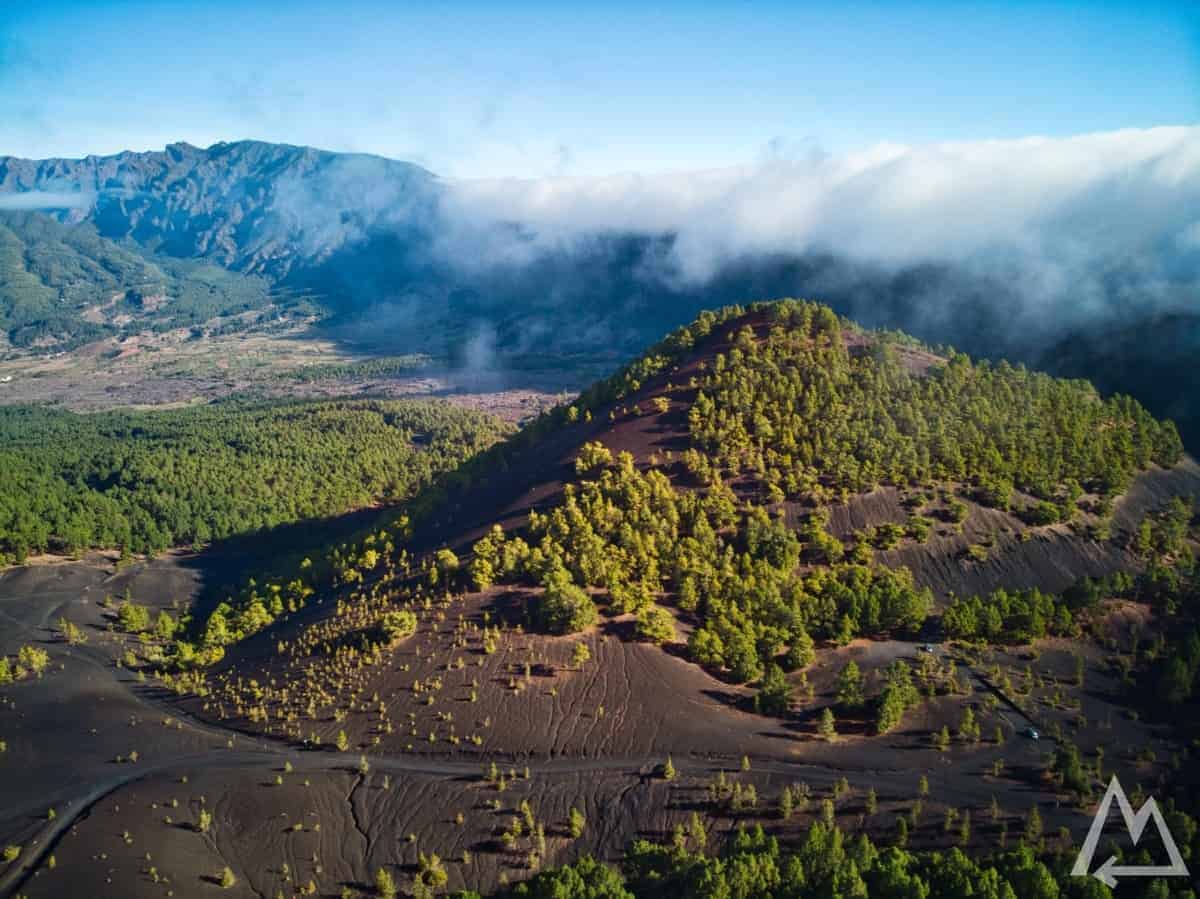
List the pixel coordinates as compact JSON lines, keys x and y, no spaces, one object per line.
{"x":170,"y":370}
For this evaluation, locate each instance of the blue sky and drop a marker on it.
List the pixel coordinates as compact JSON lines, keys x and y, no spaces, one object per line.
{"x":532,"y":89}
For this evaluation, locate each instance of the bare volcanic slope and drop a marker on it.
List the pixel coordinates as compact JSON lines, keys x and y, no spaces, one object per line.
{"x":698,"y":595}
{"x":762,"y":480}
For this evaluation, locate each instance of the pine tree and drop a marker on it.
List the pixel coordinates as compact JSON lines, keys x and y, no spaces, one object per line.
{"x":942,"y":739}
{"x":785,"y":804}
{"x":968,"y":728}
{"x":845,"y":630}
{"x":668,"y":770}
{"x":576,"y":823}
{"x":850,"y":686}
{"x":385,"y":885}
{"x":775,"y":694}
{"x":827,"y":728}
{"x":1033,"y":827}
{"x":892,"y":703}
{"x":951,"y":818}
{"x":580,"y":655}
{"x":71,"y":632}
{"x":801,"y":653}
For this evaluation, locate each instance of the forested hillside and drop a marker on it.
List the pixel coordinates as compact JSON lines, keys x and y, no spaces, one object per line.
{"x":796,"y":412}
{"x":62,"y":285}
{"x":785,"y":410}
{"x":149,"y":480}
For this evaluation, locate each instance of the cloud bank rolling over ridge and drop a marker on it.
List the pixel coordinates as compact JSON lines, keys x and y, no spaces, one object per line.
{"x":1078,"y":255}
{"x":1067,"y":218}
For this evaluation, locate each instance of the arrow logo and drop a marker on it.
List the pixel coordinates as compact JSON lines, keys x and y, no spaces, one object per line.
{"x":1135,"y":823}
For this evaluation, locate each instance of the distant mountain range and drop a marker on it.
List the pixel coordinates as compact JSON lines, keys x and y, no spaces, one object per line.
{"x":164,"y":239}
{"x":249,"y":206}
{"x":96,"y":229}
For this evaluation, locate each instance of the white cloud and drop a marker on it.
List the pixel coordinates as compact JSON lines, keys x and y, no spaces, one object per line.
{"x":1056,"y":208}
{"x":41,"y":199}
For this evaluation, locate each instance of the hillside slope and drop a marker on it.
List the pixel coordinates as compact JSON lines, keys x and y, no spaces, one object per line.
{"x":713,"y":593}
{"x":64,"y":284}
{"x":760,"y":480}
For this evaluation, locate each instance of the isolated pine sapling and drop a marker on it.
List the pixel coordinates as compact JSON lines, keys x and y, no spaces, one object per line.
{"x":827,"y":727}
{"x":385,"y":885}
{"x":576,"y":822}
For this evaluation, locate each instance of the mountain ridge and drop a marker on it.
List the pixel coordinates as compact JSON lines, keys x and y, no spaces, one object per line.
{"x":236,"y":203}
{"x":396,"y":268}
